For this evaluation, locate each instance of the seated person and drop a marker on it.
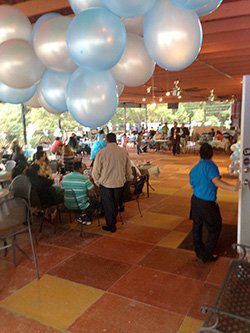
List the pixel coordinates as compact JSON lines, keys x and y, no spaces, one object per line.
{"x":42,"y":161}
{"x":78,"y":197}
{"x":38,"y":150}
{"x":56,"y":148}
{"x":219,"y":136}
{"x":68,"y":158}
{"x":18,"y":155}
{"x":19,"y":169}
{"x":42,"y":188}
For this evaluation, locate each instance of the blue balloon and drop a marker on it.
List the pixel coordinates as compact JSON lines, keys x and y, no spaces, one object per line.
{"x":190,"y":4}
{"x":92,"y":97}
{"x":15,"y":96}
{"x":41,"y":20}
{"x":53,"y":88}
{"x":209,"y":8}
{"x":80,"y":5}
{"x":96,"y":39}
{"x":129,"y":8}
{"x":172,"y":35}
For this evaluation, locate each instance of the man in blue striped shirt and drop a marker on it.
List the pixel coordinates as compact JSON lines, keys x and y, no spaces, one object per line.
{"x":76,"y":187}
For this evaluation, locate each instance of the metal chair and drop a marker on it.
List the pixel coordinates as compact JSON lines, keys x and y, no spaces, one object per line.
{"x":10,"y":165}
{"x":14,"y":221}
{"x":71,"y":193}
{"x":137,"y":184}
{"x":20,"y":187}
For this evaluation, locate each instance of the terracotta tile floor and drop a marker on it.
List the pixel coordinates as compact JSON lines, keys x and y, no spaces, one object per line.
{"x":137,"y":280}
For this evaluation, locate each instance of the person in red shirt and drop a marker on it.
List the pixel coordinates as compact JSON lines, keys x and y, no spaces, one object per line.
{"x":57,"y":146}
{"x":219,"y":136}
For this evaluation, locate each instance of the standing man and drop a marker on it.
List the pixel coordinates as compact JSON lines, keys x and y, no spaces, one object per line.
{"x":175,"y":138}
{"x":111,"y":170}
{"x":184,"y":136}
{"x":98,"y":145}
{"x":205,"y":179}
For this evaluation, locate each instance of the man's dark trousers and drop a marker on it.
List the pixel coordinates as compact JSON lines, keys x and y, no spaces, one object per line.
{"x":176,"y":146}
{"x":205,"y":213}
{"x":110,"y":200}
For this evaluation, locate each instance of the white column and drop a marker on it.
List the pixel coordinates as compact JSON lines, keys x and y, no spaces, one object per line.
{"x":244,"y":195}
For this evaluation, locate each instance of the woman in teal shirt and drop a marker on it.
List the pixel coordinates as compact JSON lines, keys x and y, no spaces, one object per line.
{"x":205,"y":180}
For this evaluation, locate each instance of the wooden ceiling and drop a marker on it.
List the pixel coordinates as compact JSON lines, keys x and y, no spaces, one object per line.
{"x":223,"y":60}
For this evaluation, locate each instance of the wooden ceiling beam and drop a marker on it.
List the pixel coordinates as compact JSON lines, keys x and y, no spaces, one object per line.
{"x":36,"y":7}
{"x":225,"y":25}
{"x":229,"y":10}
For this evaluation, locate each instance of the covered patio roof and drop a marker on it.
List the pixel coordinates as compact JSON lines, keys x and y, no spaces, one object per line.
{"x":223,"y":60}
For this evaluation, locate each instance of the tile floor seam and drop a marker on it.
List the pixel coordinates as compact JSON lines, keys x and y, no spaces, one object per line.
{"x":17,"y":314}
{"x":106,"y":257}
{"x":110,"y":236}
{"x":165,"y":272}
{"x":147,"y":304}
{"x":125,"y":274}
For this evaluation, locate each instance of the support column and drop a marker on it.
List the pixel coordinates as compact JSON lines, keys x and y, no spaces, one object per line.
{"x":244,"y":195}
{"x":24,"y":111}
{"x":125,"y":117}
{"x":146,"y":115}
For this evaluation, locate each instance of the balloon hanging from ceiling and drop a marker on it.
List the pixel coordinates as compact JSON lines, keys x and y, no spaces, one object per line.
{"x":135,"y":67}
{"x":44,"y":104}
{"x":14,"y":24}
{"x":33,"y":102}
{"x":211,"y":6}
{"x":50,"y":44}
{"x":15,"y":96}
{"x":92,"y":97}
{"x":190,"y":4}
{"x":20,"y":67}
{"x":173,"y":36}
{"x":53,"y":88}
{"x":129,"y":8}
{"x":134,"y":25}
{"x":41,"y":20}
{"x":120,"y":88}
{"x":80,"y":5}
{"x":96,"y":39}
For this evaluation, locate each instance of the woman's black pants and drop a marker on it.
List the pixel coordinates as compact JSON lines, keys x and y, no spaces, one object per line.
{"x":205,"y":213}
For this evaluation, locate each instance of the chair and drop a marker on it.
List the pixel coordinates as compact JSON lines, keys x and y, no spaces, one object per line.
{"x":15,"y":220}
{"x":71,"y":193}
{"x":137,"y":184}
{"x":10,"y":165}
{"x":20,"y":187}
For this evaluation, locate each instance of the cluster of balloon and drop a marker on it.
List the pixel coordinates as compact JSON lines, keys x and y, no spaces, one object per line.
{"x":82,"y":64}
{"x":234,"y":167}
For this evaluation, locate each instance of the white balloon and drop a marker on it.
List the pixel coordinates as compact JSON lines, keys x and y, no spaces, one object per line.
{"x":80,"y":5}
{"x":20,"y":67}
{"x":120,"y":88}
{"x":50,"y":44}
{"x":172,"y":35}
{"x":33,"y":102}
{"x":135,"y":67}
{"x":134,"y":25}
{"x":14,"y":24}
{"x":44,"y":104}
